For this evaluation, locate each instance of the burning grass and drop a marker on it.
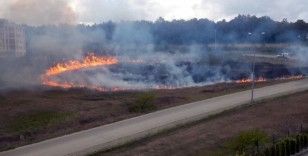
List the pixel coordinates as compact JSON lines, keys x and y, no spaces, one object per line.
{"x":109,"y":73}
{"x":89,"y":61}
{"x":262,"y":79}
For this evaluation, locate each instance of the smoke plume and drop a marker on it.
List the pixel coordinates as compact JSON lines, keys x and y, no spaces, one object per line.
{"x":39,"y":12}
{"x":151,"y":55}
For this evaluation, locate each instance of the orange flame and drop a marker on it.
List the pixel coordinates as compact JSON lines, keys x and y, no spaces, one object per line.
{"x":91,"y":61}
{"x":88,"y":62}
{"x":261,"y":79}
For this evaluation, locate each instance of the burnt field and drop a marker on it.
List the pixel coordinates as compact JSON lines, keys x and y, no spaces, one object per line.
{"x":159,"y":69}
{"x":264,"y":69}
{"x":28,"y":116}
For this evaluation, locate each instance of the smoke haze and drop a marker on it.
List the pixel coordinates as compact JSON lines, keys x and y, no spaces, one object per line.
{"x":38,"y":12}
{"x":155,"y":54}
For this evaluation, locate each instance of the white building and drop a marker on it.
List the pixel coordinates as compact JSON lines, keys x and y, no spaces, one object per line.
{"x":12,"y":39}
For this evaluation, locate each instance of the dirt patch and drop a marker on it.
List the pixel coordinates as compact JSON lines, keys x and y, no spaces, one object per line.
{"x":276,"y":117}
{"x":87,"y":109}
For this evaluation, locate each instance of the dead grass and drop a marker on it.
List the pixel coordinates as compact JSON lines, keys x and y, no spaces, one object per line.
{"x":36,"y":120}
{"x":276,"y":117}
{"x":89,"y":109}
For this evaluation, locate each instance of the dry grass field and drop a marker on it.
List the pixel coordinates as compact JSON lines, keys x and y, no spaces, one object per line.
{"x":28,"y":116}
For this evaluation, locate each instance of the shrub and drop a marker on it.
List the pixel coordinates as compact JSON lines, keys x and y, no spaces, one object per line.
{"x":250,"y":142}
{"x":292,"y":146}
{"x":297,"y":147}
{"x":143,"y":103}
{"x":268,"y":152}
{"x":288,"y":152}
{"x":282,"y":148}
{"x":305,"y":140}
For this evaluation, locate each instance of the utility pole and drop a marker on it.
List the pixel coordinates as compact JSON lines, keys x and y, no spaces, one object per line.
{"x":252,"y":71}
{"x":215,"y":46}
{"x":223,"y":57}
{"x":253,"y":78}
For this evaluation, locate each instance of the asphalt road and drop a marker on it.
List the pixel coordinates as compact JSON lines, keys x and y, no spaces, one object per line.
{"x":119,"y":133}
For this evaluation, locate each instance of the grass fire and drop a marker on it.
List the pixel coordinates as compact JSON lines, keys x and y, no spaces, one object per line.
{"x":128,"y":77}
{"x":90,"y":61}
{"x":93,"y":62}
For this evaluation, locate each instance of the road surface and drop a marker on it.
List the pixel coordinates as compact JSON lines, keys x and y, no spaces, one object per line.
{"x":119,"y":133}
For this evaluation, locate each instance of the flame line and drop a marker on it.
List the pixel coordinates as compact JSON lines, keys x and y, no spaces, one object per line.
{"x":262,"y":79}
{"x":89,"y":61}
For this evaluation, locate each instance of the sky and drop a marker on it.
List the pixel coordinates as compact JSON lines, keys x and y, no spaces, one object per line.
{"x":38,"y":12}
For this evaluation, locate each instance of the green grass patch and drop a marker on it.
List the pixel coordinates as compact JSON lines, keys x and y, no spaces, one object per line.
{"x":143,"y":103}
{"x":248,"y":142}
{"x":37,"y":120}
{"x":2,"y":100}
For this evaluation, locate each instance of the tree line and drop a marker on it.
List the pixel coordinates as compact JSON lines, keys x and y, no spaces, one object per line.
{"x":241,"y":29}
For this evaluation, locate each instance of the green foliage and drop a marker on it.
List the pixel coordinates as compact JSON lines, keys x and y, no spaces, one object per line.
{"x":248,"y":142}
{"x":2,"y":99}
{"x":305,"y":140}
{"x":292,"y":146}
{"x":143,"y":103}
{"x":281,"y":148}
{"x":36,"y":121}
{"x":297,"y":143}
{"x":288,"y":146}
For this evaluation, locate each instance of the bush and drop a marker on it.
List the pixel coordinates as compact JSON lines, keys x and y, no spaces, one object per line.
{"x":2,"y":100}
{"x":306,"y":140}
{"x":293,"y":146}
{"x":249,"y":142}
{"x":143,"y":103}
{"x":282,"y":148}
{"x":288,"y":144}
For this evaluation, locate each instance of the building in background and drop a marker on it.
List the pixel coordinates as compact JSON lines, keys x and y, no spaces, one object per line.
{"x":12,"y":39}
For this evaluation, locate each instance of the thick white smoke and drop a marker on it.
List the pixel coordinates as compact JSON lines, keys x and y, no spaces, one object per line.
{"x":38,"y":12}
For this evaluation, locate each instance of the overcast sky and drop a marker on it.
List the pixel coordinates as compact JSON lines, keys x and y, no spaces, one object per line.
{"x":95,"y":11}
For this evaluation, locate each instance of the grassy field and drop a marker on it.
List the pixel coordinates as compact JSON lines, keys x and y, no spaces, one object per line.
{"x":28,"y":116}
{"x":36,"y":121}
